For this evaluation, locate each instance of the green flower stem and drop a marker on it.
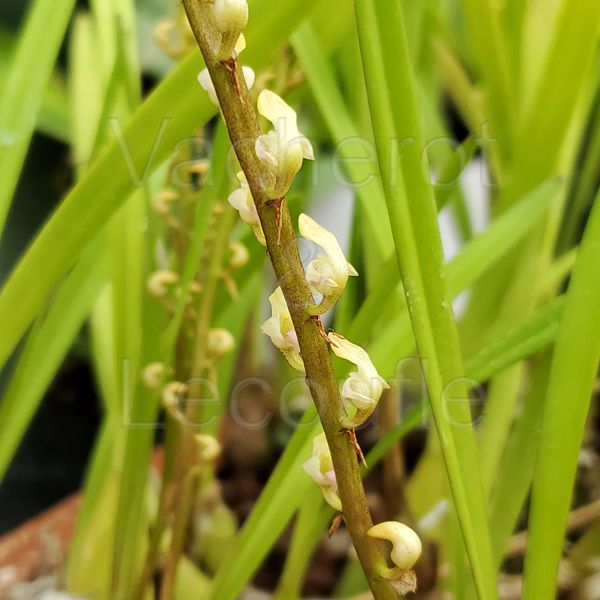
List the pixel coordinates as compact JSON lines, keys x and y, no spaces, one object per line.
{"x":187,"y":473}
{"x":242,"y":124}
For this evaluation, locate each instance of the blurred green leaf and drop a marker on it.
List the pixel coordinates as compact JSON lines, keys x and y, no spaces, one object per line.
{"x":572,"y":376}
{"x":25,"y":83}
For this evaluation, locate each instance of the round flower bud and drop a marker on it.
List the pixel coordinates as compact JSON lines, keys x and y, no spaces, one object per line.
{"x":153,"y":374}
{"x":239,"y":256}
{"x":208,"y":447}
{"x":220,"y":342}
{"x":159,"y":282}
{"x":231,"y":15}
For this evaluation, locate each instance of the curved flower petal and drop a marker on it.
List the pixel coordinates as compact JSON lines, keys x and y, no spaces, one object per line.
{"x":241,"y":199}
{"x":320,"y":468}
{"x":280,"y":329}
{"x":207,"y":85}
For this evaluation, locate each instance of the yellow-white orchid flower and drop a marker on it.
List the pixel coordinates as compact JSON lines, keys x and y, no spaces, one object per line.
{"x":208,"y":86}
{"x":241,"y":200}
{"x":231,"y":18}
{"x":280,"y":329}
{"x":283,"y":149}
{"x":363,"y":388}
{"x":320,"y":468}
{"x":406,"y":544}
{"x":328,"y":273}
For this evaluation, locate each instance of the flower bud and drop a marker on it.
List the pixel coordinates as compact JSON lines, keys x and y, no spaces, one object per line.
{"x":406,"y":544}
{"x":207,"y":85}
{"x":153,"y":374}
{"x":220,"y":343}
{"x":320,"y":468}
{"x":159,"y":282}
{"x":241,"y":199}
{"x":239,"y":256}
{"x":283,"y":149}
{"x":328,"y":273}
{"x":280,"y":329}
{"x":231,"y":18}
{"x":173,"y":393}
{"x":363,"y":388}
{"x":208,"y":447}
{"x":161,"y":203}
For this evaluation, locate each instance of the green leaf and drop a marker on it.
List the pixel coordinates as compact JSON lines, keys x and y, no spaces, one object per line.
{"x":44,"y":352}
{"x":572,"y":375}
{"x":413,"y":218}
{"x":343,"y":133}
{"x":24,"y":87}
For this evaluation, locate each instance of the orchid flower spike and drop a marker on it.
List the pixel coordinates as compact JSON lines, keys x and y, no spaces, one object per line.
{"x":280,"y":329}
{"x":328,"y":273}
{"x":320,"y":468}
{"x":406,"y":544}
{"x":363,"y":388}
{"x":283,"y":149}
{"x":208,"y":86}
{"x":241,"y":200}
{"x":231,"y":18}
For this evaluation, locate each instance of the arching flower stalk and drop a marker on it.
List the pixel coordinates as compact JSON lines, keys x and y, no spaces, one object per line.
{"x":270,"y":165}
{"x":327,"y":274}
{"x":282,"y":149}
{"x":280,"y":329}
{"x":363,"y":388}
{"x":320,"y":468}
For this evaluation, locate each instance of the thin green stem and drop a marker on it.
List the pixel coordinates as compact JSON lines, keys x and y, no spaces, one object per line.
{"x":201,"y":374}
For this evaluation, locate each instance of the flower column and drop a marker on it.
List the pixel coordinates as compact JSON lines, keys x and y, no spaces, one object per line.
{"x":269,"y":163}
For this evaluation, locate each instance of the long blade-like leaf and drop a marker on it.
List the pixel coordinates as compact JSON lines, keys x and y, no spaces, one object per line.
{"x":570,"y":385}
{"x":24,"y":89}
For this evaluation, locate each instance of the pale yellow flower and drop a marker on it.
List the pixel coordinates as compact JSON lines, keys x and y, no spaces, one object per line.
{"x":328,"y":273}
{"x":320,"y":468}
{"x":283,"y":149}
{"x":241,"y":199}
{"x":363,"y":388}
{"x":280,"y":329}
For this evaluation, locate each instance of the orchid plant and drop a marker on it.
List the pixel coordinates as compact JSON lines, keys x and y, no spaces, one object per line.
{"x":194,"y":267}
